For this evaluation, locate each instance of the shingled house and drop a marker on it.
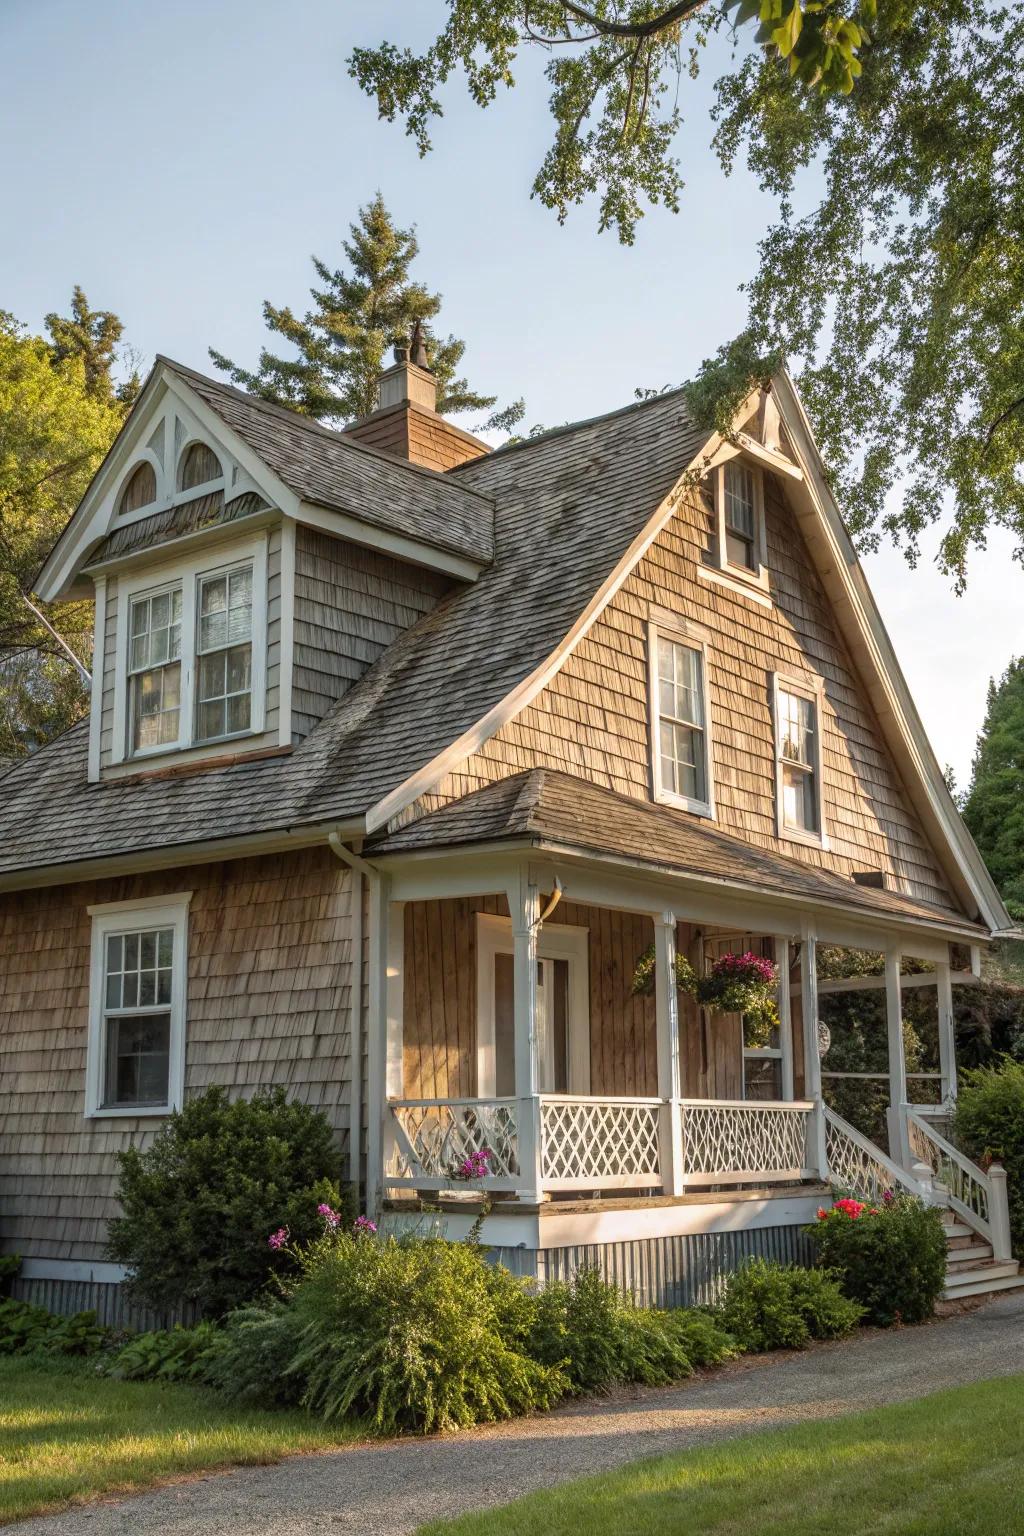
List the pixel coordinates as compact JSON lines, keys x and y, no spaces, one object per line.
{"x":402,"y":755}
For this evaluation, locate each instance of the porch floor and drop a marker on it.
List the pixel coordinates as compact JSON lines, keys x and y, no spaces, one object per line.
{"x":570,"y":1205}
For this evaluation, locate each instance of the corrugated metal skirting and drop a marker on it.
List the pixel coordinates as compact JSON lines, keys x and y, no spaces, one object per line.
{"x":686,"y":1271}
{"x":106,"y":1298}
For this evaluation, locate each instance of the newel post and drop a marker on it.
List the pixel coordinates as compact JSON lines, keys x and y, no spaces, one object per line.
{"x":670,"y":1137}
{"x":999,"y":1213}
{"x":524,"y":904}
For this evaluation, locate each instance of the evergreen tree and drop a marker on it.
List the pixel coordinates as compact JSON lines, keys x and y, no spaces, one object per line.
{"x":994,"y":807}
{"x":93,"y":335}
{"x":343,"y":341}
{"x":54,"y":432}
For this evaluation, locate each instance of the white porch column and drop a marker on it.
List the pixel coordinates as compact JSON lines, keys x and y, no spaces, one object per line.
{"x":947,"y":1029}
{"x":785,"y":1015}
{"x":384,"y":1045}
{"x":812,"y":1060}
{"x":899,"y":1148}
{"x":670,"y":1149}
{"x":524,"y":905}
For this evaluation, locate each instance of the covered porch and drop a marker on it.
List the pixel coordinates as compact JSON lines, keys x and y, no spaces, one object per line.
{"x":512,"y":1047}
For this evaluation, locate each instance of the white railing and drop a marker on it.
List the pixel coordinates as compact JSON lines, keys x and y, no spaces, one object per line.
{"x":431,"y":1138}
{"x":969,"y":1190}
{"x":746,"y":1141}
{"x":857,"y":1167}
{"x":594,"y":1143}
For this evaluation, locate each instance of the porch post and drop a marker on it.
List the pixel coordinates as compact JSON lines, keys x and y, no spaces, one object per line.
{"x":812,"y":1060}
{"x":899,"y":1148}
{"x":785,"y":1015}
{"x":947,"y":1029}
{"x":670,"y":1138}
{"x":524,"y":905}
{"x":384,"y":1042}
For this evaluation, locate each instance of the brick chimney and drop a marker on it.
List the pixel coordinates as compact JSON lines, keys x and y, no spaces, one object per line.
{"x":406,"y":422}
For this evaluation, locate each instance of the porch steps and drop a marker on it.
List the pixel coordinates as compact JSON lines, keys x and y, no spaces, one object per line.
{"x":971,"y":1269}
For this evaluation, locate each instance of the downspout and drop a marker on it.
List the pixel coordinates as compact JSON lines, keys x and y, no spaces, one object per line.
{"x":359,"y":867}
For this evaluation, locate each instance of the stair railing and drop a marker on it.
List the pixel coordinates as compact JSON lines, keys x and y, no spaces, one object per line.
{"x":977,"y":1197}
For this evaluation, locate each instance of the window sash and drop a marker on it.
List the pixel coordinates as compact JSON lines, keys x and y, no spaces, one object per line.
{"x":798,"y":755}
{"x":681,"y":720}
{"x":224,"y":653}
{"x":136,"y":1025}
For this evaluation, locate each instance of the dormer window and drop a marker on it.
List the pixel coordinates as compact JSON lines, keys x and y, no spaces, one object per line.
{"x":199,"y":466}
{"x":192,"y":655}
{"x":140,"y":490}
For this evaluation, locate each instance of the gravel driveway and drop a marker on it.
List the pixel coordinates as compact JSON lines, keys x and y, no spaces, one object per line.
{"x":387,"y":1489}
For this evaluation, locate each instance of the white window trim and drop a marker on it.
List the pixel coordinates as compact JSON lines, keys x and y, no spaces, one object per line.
{"x":807,"y":686}
{"x":556,"y":941}
{"x":116,"y":917}
{"x":186,"y":575}
{"x":740,"y":575}
{"x":684,"y":633}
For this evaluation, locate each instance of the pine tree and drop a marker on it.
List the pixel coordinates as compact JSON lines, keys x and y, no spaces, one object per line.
{"x":343,"y":341}
{"x":994,"y":807}
{"x":93,"y":336}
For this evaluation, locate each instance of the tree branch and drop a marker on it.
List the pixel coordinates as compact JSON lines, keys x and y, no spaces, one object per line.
{"x":1003,"y":416}
{"x":635,"y":29}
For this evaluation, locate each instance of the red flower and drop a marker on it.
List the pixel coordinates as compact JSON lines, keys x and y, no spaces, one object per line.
{"x":822,"y":1213}
{"x":851,"y":1208}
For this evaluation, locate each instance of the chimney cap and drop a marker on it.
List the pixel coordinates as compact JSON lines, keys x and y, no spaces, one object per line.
{"x":415,"y":349}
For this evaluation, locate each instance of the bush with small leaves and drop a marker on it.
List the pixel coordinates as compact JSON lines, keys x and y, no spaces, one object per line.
{"x":780,"y":1306}
{"x":890,"y":1258}
{"x":599,"y":1338}
{"x":990,"y":1125}
{"x":200,"y":1201}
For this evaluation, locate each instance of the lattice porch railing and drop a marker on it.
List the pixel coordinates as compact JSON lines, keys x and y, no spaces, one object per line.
{"x":969,"y":1189}
{"x":857,"y":1167}
{"x":590,"y":1143}
{"x":746,"y":1142}
{"x":431,"y":1137}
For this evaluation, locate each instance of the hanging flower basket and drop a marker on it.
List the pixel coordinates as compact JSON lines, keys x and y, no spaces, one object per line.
{"x":735,"y":984}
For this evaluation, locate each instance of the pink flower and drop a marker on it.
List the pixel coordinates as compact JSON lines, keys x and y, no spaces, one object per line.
{"x":331,"y":1217}
{"x":278,"y":1239}
{"x":888,"y":1197}
{"x":364,"y":1227}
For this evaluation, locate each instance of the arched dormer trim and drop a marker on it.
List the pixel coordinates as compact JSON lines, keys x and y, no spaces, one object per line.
{"x":199,"y":466}
{"x":140,"y":488}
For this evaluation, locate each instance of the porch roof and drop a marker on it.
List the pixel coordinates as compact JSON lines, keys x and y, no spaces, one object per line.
{"x":545,"y":808}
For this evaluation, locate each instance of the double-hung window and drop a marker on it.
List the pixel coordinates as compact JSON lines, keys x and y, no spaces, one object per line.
{"x":224,"y":649}
{"x":680,"y":726}
{"x":798,"y":760}
{"x":739,"y":543}
{"x":154,"y":669}
{"x":191,"y":661}
{"x":137,"y":1007}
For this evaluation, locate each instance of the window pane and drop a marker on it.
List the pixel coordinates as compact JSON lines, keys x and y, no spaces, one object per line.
{"x":214,"y":595}
{"x":212,"y":676}
{"x":799,"y":807}
{"x":739,"y":498}
{"x":238,"y":713}
{"x":137,"y":1060}
{"x":114,"y":949}
{"x":155,"y":705}
{"x":762,"y":1078}
{"x":211,"y":720}
{"x":682,"y":760}
{"x":739,"y":551}
{"x":165,"y":946}
{"x":140,"y":616}
{"x":239,"y":678}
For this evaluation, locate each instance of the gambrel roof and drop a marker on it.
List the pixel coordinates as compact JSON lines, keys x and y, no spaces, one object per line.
{"x":568,"y":515}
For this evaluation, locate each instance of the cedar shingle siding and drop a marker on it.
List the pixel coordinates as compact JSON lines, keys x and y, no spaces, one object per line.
{"x":268,"y":999}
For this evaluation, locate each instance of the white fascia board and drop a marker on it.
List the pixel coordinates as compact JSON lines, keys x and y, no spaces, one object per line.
{"x":93,"y":517}
{"x":343,"y":525}
{"x":911,"y":742}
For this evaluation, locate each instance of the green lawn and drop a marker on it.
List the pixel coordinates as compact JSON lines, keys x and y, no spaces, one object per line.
{"x":948,"y":1465}
{"x":66,"y":1433}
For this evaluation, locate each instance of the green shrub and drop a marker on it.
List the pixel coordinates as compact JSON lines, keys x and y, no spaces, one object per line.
{"x":173,"y":1354}
{"x":890,"y":1258}
{"x":201,"y":1201}
{"x":599,"y":1338}
{"x":779,"y":1306}
{"x":990,"y":1124}
{"x":412,"y":1334}
{"x":25,"y":1329}
{"x":10,"y":1264}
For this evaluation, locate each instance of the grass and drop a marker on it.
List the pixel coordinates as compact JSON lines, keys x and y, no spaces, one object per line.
{"x":67,"y":1434}
{"x":947,"y":1465}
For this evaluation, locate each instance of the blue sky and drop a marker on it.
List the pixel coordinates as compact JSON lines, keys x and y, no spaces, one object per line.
{"x":182,"y":163}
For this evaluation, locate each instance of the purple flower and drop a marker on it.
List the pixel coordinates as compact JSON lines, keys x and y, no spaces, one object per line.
{"x":278,"y":1239}
{"x":329,"y":1215}
{"x":888,"y":1196}
{"x":364,"y":1227}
